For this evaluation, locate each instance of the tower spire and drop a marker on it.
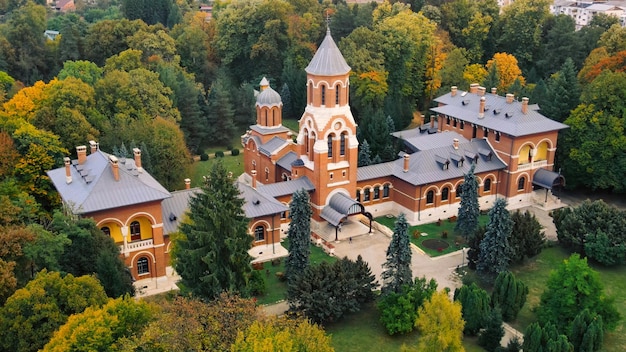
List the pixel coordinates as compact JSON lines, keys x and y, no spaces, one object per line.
{"x":327,"y":21}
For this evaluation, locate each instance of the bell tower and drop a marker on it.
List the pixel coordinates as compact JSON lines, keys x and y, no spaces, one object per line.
{"x":327,"y":142}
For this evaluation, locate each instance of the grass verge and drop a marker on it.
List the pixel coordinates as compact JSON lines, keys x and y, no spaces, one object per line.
{"x":233,"y":164}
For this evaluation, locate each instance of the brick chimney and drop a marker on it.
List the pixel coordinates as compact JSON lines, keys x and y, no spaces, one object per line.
{"x":455,"y":143}
{"x":481,"y":91}
{"x":68,"y":172}
{"x":94,"y":147}
{"x":453,"y":91}
{"x":137,"y":154}
{"x":187,"y":183}
{"x":81,"y":151}
{"x":253,"y":172}
{"x":407,"y":157}
{"x":432,"y":121}
{"x":115,"y":167}
{"x":509,"y":98}
{"x":494,"y":90}
{"x":524,"y":105}
{"x":481,"y":108}
{"x":474,"y":88}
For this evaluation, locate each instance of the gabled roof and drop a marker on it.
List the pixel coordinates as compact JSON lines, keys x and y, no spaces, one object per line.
{"x":174,"y":209}
{"x":93,"y":187}
{"x":286,"y":161}
{"x":269,"y":130}
{"x":259,"y":204}
{"x":499,"y":115}
{"x":425,"y":166}
{"x":328,"y":60}
{"x":287,"y":187}
{"x":272,"y":146}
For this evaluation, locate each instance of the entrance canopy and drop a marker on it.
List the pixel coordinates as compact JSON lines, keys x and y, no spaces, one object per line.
{"x":548,"y":179}
{"x":340,"y":207}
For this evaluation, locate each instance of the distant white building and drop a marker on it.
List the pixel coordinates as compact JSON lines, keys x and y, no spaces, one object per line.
{"x":583,"y":11}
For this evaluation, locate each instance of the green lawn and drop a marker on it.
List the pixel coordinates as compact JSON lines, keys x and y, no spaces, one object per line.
{"x":535,"y":274}
{"x":292,"y":124}
{"x":276,"y":288}
{"x":362,"y":331}
{"x":202,"y":168}
{"x":434,"y":231}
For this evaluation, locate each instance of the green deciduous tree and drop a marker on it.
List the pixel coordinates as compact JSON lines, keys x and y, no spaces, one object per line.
{"x":509,"y":295}
{"x":527,"y":238}
{"x":31,"y":315}
{"x":467,"y":219}
{"x":324,"y":293}
{"x":398,"y":311}
{"x":211,"y":251}
{"x":99,"y":328}
{"x":495,"y":251}
{"x":299,"y":234}
{"x":24,"y":32}
{"x":86,"y":71}
{"x":397,"y":269}
{"x":571,"y":288}
{"x":475,"y":307}
{"x":440,"y":324}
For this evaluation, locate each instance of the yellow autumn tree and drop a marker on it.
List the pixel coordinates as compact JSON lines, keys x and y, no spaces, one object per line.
{"x":508,"y":70}
{"x":24,"y":103}
{"x":282,"y":334}
{"x":440,"y":324}
{"x":474,"y":73}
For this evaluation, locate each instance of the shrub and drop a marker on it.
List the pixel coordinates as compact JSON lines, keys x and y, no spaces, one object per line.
{"x":256,"y":283}
{"x":281,"y":276}
{"x":219,"y":154}
{"x":234,"y":152}
{"x":416,"y":234}
{"x":444,"y":234}
{"x":204,"y":156}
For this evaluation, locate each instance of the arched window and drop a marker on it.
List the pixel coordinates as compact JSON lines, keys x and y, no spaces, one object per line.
{"x":376,"y":192}
{"x":521,"y":183}
{"x":462,"y":124}
{"x":106,"y":230}
{"x":330,"y":145}
{"x":135,"y":231}
{"x":337,"y":88}
{"x":342,"y":144}
{"x":259,"y":233}
{"x":454,"y":123}
{"x":430,"y":197}
{"x":306,"y":140}
{"x":386,"y":191}
{"x":265,"y":122}
{"x":445,"y":193}
{"x":474,"y":128}
{"x":323,"y":94}
{"x":358,"y":195}
{"x":283,"y":215}
{"x":487,"y":185}
{"x":448,"y":120}
{"x":310,"y":97}
{"x":143,"y":266}
{"x":497,"y":136}
{"x":267,"y":174}
{"x":366,"y":195}
{"x":486,"y":130}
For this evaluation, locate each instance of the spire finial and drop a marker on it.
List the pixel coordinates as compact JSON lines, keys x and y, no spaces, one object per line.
{"x":327,"y":21}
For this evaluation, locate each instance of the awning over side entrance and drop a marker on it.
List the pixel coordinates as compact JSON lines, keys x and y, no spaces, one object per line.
{"x":548,"y":179}
{"x":340,"y":207}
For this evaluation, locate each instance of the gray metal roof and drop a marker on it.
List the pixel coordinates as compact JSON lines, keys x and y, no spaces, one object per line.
{"x":545,"y":178}
{"x":268,"y":97}
{"x":286,"y":160}
{"x":338,"y":208}
{"x":425,"y":166}
{"x":272,"y":146}
{"x":269,"y":130}
{"x":174,"y":209}
{"x":499,"y":115}
{"x":328,"y":60}
{"x":93,"y":187}
{"x":424,"y":141}
{"x":286,"y":187}
{"x":259,"y":204}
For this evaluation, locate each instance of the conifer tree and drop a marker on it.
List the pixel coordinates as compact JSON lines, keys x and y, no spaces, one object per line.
{"x":365,"y":154}
{"x":495,"y":252}
{"x":285,"y":96}
{"x":475,"y":307}
{"x":299,"y":235}
{"x":563,"y":93}
{"x":397,"y":269}
{"x":211,"y":252}
{"x":509,"y":294}
{"x":545,"y":338}
{"x":490,"y":337}
{"x":469,"y":211}
{"x":587,"y":332}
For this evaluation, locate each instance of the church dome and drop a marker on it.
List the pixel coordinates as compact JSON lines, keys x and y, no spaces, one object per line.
{"x":268,"y":96}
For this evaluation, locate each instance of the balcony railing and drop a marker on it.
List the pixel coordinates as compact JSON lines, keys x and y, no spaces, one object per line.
{"x":136,"y":245}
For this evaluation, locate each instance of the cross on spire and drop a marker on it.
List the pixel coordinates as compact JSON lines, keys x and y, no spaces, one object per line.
{"x":328,"y":20}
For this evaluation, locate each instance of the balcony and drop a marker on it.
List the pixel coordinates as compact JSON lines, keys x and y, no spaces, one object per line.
{"x":137,"y":245}
{"x":532,"y":165}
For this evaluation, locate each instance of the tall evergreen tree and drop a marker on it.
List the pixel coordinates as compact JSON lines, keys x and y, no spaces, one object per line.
{"x":545,"y":338}
{"x":475,"y":307}
{"x":527,"y":238}
{"x":299,"y":234}
{"x":397,"y":269}
{"x":473,"y":253}
{"x":495,"y":252}
{"x":587,"y":332}
{"x":509,"y":294}
{"x":490,"y":337}
{"x":365,"y":154}
{"x":221,"y":112}
{"x":285,"y":96}
{"x":493,"y":78}
{"x":563,"y":93}
{"x":469,"y":211}
{"x":211,"y":252}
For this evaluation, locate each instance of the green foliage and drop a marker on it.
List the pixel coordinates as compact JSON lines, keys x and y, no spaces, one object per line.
{"x":398,"y":311}
{"x":234,"y":152}
{"x":98,"y":328}
{"x":299,"y":234}
{"x":31,"y":315}
{"x":475,"y":307}
{"x":594,"y":229}
{"x":469,"y":211}
{"x":587,"y":332}
{"x":151,"y":12}
{"x":204,"y":156}
{"x":545,"y":338}
{"x":440,"y":324}
{"x":221,"y":112}
{"x":219,"y":154}
{"x":509,"y":295}
{"x":527,"y":238}
{"x":563,"y":93}
{"x":397,"y":269}
{"x":86,"y":71}
{"x":495,"y":251}
{"x":256,"y":283}
{"x":24,"y":32}
{"x":490,"y":337}
{"x":473,"y":253}
{"x":211,"y":251}
{"x":571,"y":288}
{"x":324,"y":293}
{"x":365,"y":154}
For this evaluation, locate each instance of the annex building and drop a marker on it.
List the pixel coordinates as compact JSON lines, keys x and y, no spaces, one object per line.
{"x":511,"y":143}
